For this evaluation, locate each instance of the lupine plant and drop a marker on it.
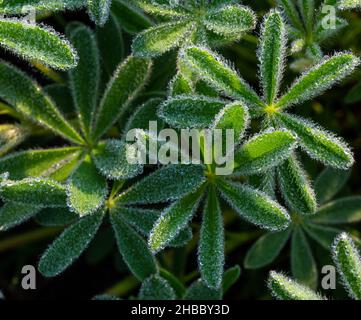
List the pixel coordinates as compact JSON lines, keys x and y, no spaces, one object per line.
{"x":347,"y":259}
{"x":65,"y":158}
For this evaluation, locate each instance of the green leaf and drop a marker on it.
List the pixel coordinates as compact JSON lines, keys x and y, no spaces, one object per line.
{"x":53,"y":217}
{"x":264,"y":151}
{"x":291,"y":12}
{"x":13,"y":214}
{"x":199,"y":291}
{"x":157,"y":40}
{"x":84,"y":79}
{"x":348,"y":261}
{"x":230,"y":277}
{"x":99,"y":10}
{"x":34,"y":192}
{"x":354,"y":95}
{"x":254,"y":206}
{"x":349,"y":4}
{"x":266,"y":249}
{"x":35,"y":163}
{"x":156,"y":288}
{"x":17,"y":6}
{"x":231,"y":20}
{"x":39,"y":43}
{"x":86,"y":189}
{"x":166,"y":184}
{"x":303,"y":265}
{"x":190,"y":111}
{"x":296,"y":187}
{"x":173,"y":220}
{"x":180,"y":85}
{"x":323,"y":235}
{"x":112,"y":158}
{"x":162,"y":9}
{"x":272,"y":53}
{"x":211,"y":243}
{"x":319,"y":78}
{"x":341,"y":211}
{"x":61,"y":96}
{"x":212,"y":69}
{"x":329,"y":182}
{"x":133,"y":249}
{"x":27,"y":98}
{"x":131,"y":19}
{"x":319,"y":143}
{"x":69,"y":245}
{"x":307,"y":9}
{"x":128,"y":79}
{"x":284,"y":288}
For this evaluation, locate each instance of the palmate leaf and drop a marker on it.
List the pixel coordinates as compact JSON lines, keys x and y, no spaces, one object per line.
{"x":329,"y":182}
{"x":349,"y":4}
{"x":53,"y":217}
{"x":99,"y":10}
{"x":69,"y":245}
{"x":86,"y":188}
{"x":291,"y":12}
{"x":231,"y":20}
{"x":284,"y":288}
{"x":342,"y":211}
{"x":211,"y":245}
{"x":12,"y":214}
{"x":173,"y":220}
{"x":254,"y":206}
{"x":303,"y":265}
{"x":133,"y":249}
{"x":319,"y":78}
{"x":266,"y":249}
{"x":271,"y":53}
{"x":157,"y":40}
{"x":212,"y":69}
{"x":84,"y":79}
{"x":319,"y":143}
{"x":27,"y":98}
{"x":296,"y":187}
{"x":39,"y":43}
{"x":323,"y":235}
{"x":156,"y":288}
{"x":34,"y":192}
{"x":348,"y":261}
{"x":168,"y":183}
{"x":263,"y":151}
{"x":112,"y":157}
{"x":180,"y":85}
{"x":128,"y":79}
{"x":17,"y":6}
{"x":190,"y":111}
{"x":36,"y":163}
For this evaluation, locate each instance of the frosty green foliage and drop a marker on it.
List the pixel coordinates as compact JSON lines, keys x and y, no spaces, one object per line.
{"x":12,"y":214}
{"x":137,"y":255}
{"x":197,"y":22}
{"x":266,"y":249}
{"x":295,"y":187}
{"x":112,"y":157}
{"x":156,"y":288}
{"x":35,"y":42}
{"x":180,"y":85}
{"x":211,"y":246}
{"x":349,"y":4}
{"x":319,"y":143}
{"x":126,"y":82}
{"x":303,"y":265}
{"x":200,"y":291}
{"x":173,"y":220}
{"x":263,"y":151}
{"x":230,"y":277}
{"x":348,"y":261}
{"x":284,"y":288}
{"x":99,"y":10}
{"x":69,"y":245}
{"x":84,"y":79}
{"x":16,"y":6}
{"x":255,"y":206}
{"x":168,"y":183}
{"x":34,"y":192}
{"x":27,"y":98}
{"x":52,"y":217}
{"x":86,"y":188}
